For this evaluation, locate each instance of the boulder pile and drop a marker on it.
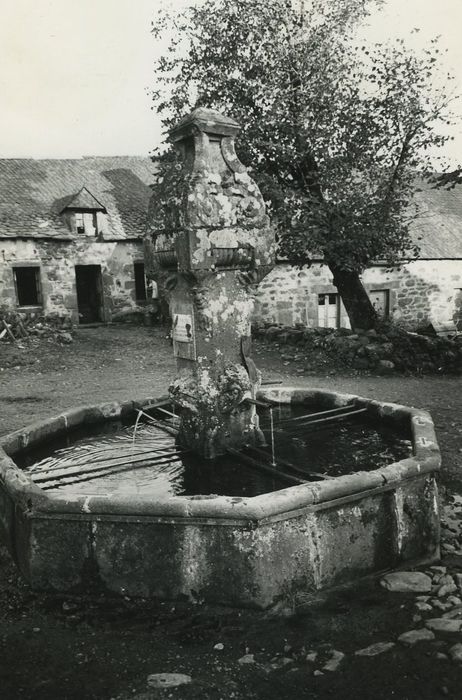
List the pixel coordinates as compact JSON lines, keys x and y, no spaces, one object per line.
{"x":386,"y":350}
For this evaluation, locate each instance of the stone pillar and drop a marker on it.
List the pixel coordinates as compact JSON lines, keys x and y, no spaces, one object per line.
{"x":209,"y":256}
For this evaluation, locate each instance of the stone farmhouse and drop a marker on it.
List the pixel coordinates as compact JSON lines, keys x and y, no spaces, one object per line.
{"x":71,"y":236}
{"x":417,"y":293}
{"x":71,"y":244}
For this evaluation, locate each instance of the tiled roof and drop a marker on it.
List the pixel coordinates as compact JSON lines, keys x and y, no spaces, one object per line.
{"x":438,"y":227}
{"x":34,"y":192}
{"x":84,"y":200}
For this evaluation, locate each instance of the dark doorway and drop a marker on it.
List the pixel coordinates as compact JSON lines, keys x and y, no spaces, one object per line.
{"x":140,"y":282}
{"x":89,"y":293}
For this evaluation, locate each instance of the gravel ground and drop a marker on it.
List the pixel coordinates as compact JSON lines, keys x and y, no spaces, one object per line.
{"x":67,"y":647}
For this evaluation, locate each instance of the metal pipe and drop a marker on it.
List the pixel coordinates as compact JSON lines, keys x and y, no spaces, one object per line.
{"x":273,"y":462}
{"x":256,"y":402}
{"x":167,"y":428}
{"x":168,"y":413}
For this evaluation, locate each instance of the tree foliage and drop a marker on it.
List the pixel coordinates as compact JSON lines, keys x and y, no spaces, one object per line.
{"x":334,"y":131}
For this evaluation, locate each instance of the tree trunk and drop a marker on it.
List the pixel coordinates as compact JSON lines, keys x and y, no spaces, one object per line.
{"x":357,"y":303}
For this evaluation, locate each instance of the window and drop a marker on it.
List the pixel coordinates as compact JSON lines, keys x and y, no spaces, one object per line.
{"x":381,"y":302}
{"x":140,"y":282}
{"x":79,"y":222}
{"x":331,"y":312}
{"x":86,"y":222}
{"x":27,"y":283}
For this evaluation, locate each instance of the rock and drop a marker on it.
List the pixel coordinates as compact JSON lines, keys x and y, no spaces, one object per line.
{"x":168,"y":680}
{"x":439,"y":655}
{"x":334,"y":662}
{"x":441,"y":624}
{"x":385,"y":349}
{"x":385,"y":366}
{"x":446,"y":589}
{"x":455,"y":652}
{"x":312,"y":656}
{"x":246,"y":659}
{"x":413,"y":636}
{"x":441,"y":570}
{"x":458,"y":581}
{"x":65,"y":337}
{"x":446,"y":580}
{"x":424,"y":607}
{"x":407,"y":582}
{"x":219,"y":646}
{"x":455,"y":600}
{"x":449,"y":548}
{"x":318,"y":673}
{"x":455,"y":612}
{"x":375,"y":649}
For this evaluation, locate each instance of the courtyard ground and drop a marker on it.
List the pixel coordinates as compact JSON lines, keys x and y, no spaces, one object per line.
{"x":68,"y":647}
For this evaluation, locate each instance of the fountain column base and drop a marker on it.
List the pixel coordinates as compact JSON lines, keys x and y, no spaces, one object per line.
{"x":215,"y":410}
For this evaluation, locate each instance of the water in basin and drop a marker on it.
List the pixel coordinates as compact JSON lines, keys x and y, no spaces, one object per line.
{"x":104,"y":459}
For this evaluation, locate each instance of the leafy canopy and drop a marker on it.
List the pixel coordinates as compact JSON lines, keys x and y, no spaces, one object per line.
{"x":334,"y":131}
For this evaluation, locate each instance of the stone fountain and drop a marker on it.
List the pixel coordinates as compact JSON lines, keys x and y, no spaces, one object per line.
{"x":235,"y":550}
{"x":208,"y":259}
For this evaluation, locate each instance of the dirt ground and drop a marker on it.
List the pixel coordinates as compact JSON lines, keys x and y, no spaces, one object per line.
{"x":68,"y":647}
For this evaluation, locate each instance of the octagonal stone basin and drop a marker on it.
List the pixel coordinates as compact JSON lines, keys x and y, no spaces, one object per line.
{"x":236,"y":551}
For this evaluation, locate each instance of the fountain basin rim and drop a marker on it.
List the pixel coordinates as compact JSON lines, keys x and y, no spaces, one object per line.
{"x":217,"y":509}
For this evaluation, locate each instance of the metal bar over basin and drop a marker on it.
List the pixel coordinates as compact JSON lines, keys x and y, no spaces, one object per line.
{"x":55,"y":482}
{"x":68,"y":473}
{"x":282,"y":476}
{"x":339,"y":417}
{"x":339,"y":411}
{"x":128,"y":456}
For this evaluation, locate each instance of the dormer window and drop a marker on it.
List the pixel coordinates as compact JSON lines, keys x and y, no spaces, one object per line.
{"x":86,"y":223}
{"x":85,"y":214}
{"x":79,"y":222}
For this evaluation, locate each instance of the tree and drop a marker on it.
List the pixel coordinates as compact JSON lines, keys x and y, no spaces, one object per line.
{"x":334,"y":131}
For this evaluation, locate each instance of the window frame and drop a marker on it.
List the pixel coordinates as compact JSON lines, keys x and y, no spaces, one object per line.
{"x":386,"y":291}
{"x":38,"y":285}
{"x":79,"y":223}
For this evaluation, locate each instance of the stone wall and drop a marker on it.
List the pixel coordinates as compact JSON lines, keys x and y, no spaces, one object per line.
{"x":57,"y":261}
{"x":419,"y":292}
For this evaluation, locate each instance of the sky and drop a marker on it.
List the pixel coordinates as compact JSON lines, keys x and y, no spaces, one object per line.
{"x":75,"y":76}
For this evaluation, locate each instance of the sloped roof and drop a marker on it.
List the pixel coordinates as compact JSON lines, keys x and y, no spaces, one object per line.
{"x":33,"y":193}
{"x":84,"y":200}
{"x":438,"y":227}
